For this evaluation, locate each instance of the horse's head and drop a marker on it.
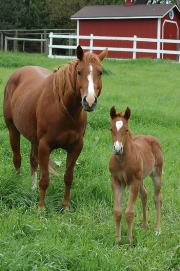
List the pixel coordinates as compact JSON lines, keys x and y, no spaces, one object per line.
{"x":89,"y":71}
{"x":120,"y":129}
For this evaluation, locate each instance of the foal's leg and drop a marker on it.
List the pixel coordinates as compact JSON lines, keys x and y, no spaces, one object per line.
{"x":14,"y":136}
{"x":157,"y":181}
{"x":34,"y":164}
{"x":118,"y":191}
{"x":129,"y":213}
{"x":143,"y":197}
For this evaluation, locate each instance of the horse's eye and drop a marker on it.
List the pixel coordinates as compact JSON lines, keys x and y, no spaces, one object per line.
{"x":100,"y":73}
{"x":79,"y":73}
{"x":110,"y":129}
{"x":127,"y":131}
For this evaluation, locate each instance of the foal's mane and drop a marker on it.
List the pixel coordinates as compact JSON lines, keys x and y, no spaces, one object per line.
{"x":65,"y":75}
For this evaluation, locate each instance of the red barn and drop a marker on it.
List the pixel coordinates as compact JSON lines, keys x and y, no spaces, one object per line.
{"x":145,"y":21}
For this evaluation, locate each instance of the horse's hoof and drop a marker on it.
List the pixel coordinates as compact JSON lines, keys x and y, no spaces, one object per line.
{"x":158,"y":232}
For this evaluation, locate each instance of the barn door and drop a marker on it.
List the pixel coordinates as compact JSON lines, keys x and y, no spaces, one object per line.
{"x":170,"y":31}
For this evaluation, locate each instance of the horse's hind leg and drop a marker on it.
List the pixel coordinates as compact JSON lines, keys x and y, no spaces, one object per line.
{"x":14,"y":136}
{"x":156,"y":177}
{"x":34,"y":164}
{"x":143,"y":197}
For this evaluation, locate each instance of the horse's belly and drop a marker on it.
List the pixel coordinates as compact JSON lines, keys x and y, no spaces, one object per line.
{"x":24,"y":116}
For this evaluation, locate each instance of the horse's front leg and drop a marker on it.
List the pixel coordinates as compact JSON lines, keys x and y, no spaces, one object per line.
{"x":68,"y":176}
{"x":43,"y":157}
{"x":118,"y":192}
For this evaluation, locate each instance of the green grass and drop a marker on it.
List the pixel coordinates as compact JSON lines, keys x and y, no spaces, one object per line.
{"x":84,"y":238}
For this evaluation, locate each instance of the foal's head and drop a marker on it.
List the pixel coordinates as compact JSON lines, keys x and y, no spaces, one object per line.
{"x":120,"y":129}
{"x":89,"y":71}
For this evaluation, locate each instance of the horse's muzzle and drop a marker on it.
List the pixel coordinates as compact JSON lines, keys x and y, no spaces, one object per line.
{"x":86,"y":105}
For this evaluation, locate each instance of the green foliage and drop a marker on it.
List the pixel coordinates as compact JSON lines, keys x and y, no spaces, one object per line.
{"x":84,"y":237}
{"x":36,"y":15}
{"x":41,"y":14}
{"x":10,"y":14}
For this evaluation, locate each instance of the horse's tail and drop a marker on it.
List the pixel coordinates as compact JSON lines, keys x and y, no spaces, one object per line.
{"x":53,"y":168}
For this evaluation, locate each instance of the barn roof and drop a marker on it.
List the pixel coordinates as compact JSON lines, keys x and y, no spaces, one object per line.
{"x":123,"y":12}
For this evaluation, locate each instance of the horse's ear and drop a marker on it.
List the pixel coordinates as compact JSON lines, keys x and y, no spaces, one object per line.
{"x":79,"y":52}
{"x":103,"y":54}
{"x":113,"y":112}
{"x":127,"y":113}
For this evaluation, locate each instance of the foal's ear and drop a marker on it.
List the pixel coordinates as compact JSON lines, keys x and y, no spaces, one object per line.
{"x":113,"y":112}
{"x":79,"y":52}
{"x":127,"y":113}
{"x":103,"y":54}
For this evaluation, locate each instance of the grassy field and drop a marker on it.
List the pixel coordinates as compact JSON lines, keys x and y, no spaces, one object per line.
{"x":84,"y":238}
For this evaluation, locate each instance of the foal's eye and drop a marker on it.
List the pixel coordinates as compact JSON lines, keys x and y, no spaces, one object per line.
{"x":110,"y":129}
{"x":79,"y":73}
{"x":127,"y":131}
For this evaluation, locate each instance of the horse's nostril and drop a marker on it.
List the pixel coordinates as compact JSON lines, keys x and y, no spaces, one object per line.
{"x":95,"y":101}
{"x":84,"y":100}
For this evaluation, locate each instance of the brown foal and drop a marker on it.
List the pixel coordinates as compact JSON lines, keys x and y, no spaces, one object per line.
{"x":133,"y":159}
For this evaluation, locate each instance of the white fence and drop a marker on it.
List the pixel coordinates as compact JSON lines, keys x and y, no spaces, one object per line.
{"x":159,"y":51}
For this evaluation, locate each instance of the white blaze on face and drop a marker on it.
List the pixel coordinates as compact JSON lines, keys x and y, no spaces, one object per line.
{"x":118,"y":146}
{"x":119,"y":124}
{"x":91,"y":96}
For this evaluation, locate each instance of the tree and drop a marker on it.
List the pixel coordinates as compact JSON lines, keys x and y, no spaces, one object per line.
{"x":9,"y":14}
{"x":36,"y":15}
{"x":61,"y":11}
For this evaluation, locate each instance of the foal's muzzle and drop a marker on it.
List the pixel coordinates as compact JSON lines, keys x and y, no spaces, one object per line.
{"x":86,"y":105}
{"x":118,"y":148}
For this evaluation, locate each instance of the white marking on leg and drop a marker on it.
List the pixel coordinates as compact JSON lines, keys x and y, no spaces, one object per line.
{"x":119,"y":124}
{"x":158,"y":232}
{"x":91,"y":95}
{"x":34,"y":180}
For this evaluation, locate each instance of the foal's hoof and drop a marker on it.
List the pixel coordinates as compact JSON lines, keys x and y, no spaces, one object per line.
{"x":17,"y":171}
{"x":66,"y":208}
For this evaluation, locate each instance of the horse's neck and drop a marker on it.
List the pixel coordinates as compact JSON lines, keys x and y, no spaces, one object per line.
{"x":71,"y":104}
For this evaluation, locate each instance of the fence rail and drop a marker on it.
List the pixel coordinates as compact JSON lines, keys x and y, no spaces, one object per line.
{"x":159,"y":45}
{"x":24,"y":39}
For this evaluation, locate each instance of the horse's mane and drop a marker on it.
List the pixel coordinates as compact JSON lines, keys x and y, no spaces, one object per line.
{"x":120,"y":114}
{"x":65,"y":75}
{"x":64,"y":79}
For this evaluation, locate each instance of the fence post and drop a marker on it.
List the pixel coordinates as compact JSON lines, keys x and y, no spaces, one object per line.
{"x":15,"y":41}
{"x":41,"y":44}
{"x":50,"y":44}
{"x":45,"y":43}
{"x":134,"y":47}
{"x":91,"y":42}
{"x":5,"y":44}
{"x":2,"y":41}
{"x":70,"y":43}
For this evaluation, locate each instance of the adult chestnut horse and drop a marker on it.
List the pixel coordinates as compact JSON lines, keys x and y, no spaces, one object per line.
{"x":133,"y":159}
{"x":49,"y":110}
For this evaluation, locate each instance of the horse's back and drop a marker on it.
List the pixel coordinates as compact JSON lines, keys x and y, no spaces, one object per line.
{"x":150,"y":148}
{"x":147,"y":140}
{"x":28,"y":75}
{"x":21,"y":95}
